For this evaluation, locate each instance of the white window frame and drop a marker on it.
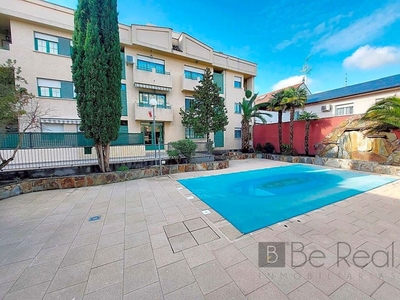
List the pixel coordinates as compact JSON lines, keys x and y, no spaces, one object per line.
{"x":344,"y":107}
{"x":237,"y":79}
{"x":234,"y":133}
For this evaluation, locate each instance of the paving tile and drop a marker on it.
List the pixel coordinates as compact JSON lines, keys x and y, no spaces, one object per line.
{"x":182,"y":242}
{"x":104,"y":276}
{"x":159,"y":240}
{"x":111,"y":239}
{"x":387,"y":274}
{"x":285,"y":278}
{"x":5,"y":287}
{"x":50,"y":254}
{"x":198,"y":255}
{"x":137,"y":255}
{"x":150,"y":292}
{"x":139,"y":276}
{"x":247,"y":276}
{"x":137,"y":239}
{"x":12,"y":271}
{"x":386,"y":292}
{"x":70,"y":275}
{"x":320,"y":238}
{"x":349,"y":228}
{"x":72,"y":292}
{"x":228,"y":256}
{"x":374,"y":238}
{"x":347,"y":291}
{"x":107,"y":255}
{"x":228,"y":292}
{"x":175,"y":276}
{"x":33,"y":292}
{"x":113,"y":292}
{"x":77,"y":255}
{"x":321,"y":226}
{"x":61,"y":238}
{"x":269,"y":289}
{"x":155,"y":218}
{"x":204,"y":235}
{"x":195,"y":224}
{"x":230,"y":232}
{"x":165,"y":256}
{"x":175,"y":229}
{"x":36,"y":274}
{"x":22,"y":253}
{"x":34,"y":239}
{"x":113,"y":227}
{"x":210,"y":276}
{"x":244,"y":242}
{"x":86,"y":239}
{"x":307,"y":291}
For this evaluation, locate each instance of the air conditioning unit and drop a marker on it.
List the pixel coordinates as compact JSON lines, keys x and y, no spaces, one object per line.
{"x":129,"y":60}
{"x":327,"y":107}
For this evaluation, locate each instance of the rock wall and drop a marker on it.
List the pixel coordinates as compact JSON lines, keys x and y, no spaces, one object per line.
{"x":349,"y":140}
{"x":66,"y":182}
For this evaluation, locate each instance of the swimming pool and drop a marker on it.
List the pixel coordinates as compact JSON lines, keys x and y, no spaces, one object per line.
{"x":252,"y":200}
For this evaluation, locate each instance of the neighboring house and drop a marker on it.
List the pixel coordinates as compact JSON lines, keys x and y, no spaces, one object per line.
{"x":348,"y":100}
{"x":158,"y":63}
{"x":264,"y":98}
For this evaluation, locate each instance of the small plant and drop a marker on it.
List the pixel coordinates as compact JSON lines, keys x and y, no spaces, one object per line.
{"x":286,"y":149}
{"x":174,"y":154}
{"x":268,"y":148}
{"x":187,"y":148}
{"x":122,"y":168}
{"x":258,"y":148}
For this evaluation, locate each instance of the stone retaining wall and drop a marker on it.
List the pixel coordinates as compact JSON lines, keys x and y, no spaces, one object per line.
{"x":238,"y":155}
{"x":66,"y":182}
{"x":349,"y":164}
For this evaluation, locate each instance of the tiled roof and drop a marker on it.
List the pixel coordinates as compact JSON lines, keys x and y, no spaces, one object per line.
{"x":264,"y":98}
{"x":361,"y":88}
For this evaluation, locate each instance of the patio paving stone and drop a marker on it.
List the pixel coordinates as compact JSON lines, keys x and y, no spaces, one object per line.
{"x":175,"y":229}
{"x":113,"y":292}
{"x":198,"y":255}
{"x":269,"y":289}
{"x":307,"y":291}
{"x":139,"y":276}
{"x":204,"y":235}
{"x":33,"y":292}
{"x":347,"y":291}
{"x":175,"y":276}
{"x":108,"y":255}
{"x":211,"y":276}
{"x":229,"y":291}
{"x":150,"y":292}
{"x":73,"y":292}
{"x":137,"y":255}
{"x":182,"y":242}
{"x":191,"y":291}
{"x":228,"y":256}
{"x":195,"y":224}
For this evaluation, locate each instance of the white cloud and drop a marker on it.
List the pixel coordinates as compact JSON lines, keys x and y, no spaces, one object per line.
{"x":367,"y":57}
{"x":284,"y":83}
{"x":359,"y":32}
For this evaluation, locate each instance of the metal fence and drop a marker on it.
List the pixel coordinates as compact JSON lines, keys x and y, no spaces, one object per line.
{"x":59,"y":140}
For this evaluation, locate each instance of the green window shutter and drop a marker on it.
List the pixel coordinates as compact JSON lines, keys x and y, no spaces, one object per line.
{"x":64,"y":46}
{"x":123,"y":129}
{"x":67,"y":90}
{"x":219,"y":80}
{"x":36,"y":44}
{"x":188,"y":103}
{"x":124,"y":100}
{"x":219,"y":139}
{"x":123,"y":65}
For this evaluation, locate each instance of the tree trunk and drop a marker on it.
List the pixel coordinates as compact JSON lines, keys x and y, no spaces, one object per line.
{"x":307,"y":137}
{"x":106,"y":153}
{"x":280,"y":130}
{"x":3,"y":161}
{"x":208,"y":136}
{"x":245,"y":136}
{"x":291,"y":129}
{"x":100,"y":156}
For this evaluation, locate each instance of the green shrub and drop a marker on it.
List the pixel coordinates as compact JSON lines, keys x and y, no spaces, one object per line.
{"x":122,"y":168}
{"x":174,"y":154}
{"x":286,"y":149}
{"x":258,"y":148}
{"x":187,"y":148}
{"x":268,"y":148}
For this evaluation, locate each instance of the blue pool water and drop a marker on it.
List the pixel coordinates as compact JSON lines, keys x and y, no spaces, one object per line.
{"x":255,"y":199}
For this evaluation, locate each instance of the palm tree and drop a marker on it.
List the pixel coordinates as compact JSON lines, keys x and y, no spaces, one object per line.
{"x":275,"y":104}
{"x":249,"y":111}
{"x":385,"y":114}
{"x":293,"y":98}
{"x":308,"y":117}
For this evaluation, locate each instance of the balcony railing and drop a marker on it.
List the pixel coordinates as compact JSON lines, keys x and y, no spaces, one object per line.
{"x":164,"y":106}
{"x":152,"y":77}
{"x":150,"y":69}
{"x":144,"y":112}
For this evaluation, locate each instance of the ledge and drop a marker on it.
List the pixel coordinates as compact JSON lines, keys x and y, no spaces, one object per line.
{"x":66,"y":182}
{"x":348,"y":164}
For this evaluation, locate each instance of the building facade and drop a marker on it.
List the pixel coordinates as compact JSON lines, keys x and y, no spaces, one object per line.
{"x":157,"y":63}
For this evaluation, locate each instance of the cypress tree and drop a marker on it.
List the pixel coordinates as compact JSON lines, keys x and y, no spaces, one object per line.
{"x":96,"y":73}
{"x":207,"y":112}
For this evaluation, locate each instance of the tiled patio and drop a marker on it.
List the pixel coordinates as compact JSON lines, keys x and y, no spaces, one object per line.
{"x":153,"y":242}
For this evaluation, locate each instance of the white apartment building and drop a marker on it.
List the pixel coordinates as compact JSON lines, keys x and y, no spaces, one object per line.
{"x":157,"y":63}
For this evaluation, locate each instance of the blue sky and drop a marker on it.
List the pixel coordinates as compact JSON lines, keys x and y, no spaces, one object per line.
{"x":357,"y":38}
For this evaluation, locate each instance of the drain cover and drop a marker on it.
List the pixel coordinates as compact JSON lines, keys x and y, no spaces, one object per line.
{"x":95,"y":218}
{"x":206,"y":212}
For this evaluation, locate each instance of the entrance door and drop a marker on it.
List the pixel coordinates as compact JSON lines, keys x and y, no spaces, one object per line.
{"x":147,"y":131}
{"x":219,"y":138}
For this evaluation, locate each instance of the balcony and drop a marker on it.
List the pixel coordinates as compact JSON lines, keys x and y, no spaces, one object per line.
{"x":152,"y":78}
{"x":143,"y":112}
{"x":5,"y":33}
{"x":189,"y":84}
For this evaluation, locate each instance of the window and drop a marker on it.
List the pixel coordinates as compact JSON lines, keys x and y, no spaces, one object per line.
{"x":144,"y":100}
{"x":52,"y":127}
{"x":345,"y":109}
{"x":124,"y":103}
{"x":238,"y":133}
{"x":148,"y":64}
{"x":188,"y":103}
{"x":52,"y":44}
{"x":190,"y":134}
{"x":193,"y":73}
{"x":55,"y":88}
{"x":238,"y":108}
{"x":237,"y":83}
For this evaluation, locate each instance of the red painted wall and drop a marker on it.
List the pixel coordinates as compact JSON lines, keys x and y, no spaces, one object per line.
{"x":318,"y":130}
